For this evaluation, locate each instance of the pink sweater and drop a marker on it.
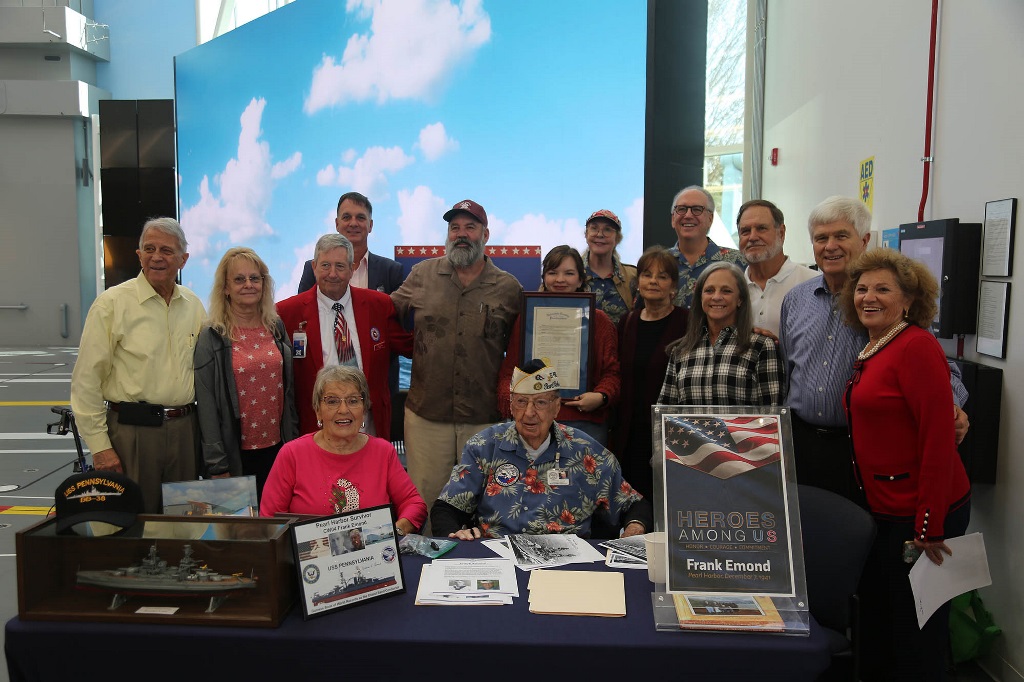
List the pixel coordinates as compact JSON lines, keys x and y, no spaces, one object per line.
{"x":306,"y":479}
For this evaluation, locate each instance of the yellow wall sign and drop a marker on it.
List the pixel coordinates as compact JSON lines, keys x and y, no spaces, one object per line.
{"x":867,"y":182}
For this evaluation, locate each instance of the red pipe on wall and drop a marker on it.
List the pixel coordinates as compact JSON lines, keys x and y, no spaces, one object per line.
{"x":927,"y":160}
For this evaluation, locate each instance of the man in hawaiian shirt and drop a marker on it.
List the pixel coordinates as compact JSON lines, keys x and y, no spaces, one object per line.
{"x":693,"y":211}
{"x":536,"y":476}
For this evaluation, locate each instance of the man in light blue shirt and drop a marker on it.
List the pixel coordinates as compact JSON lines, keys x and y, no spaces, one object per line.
{"x":819,"y":350}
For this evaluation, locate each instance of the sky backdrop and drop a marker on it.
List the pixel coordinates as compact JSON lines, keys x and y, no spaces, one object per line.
{"x":533,"y":108}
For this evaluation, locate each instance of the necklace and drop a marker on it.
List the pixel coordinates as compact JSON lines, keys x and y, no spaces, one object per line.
{"x":870,"y":349}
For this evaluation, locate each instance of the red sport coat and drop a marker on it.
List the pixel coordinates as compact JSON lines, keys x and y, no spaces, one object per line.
{"x":380,"y":334}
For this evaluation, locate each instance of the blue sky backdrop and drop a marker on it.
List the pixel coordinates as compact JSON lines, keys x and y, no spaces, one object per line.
{"x":533,"y":108}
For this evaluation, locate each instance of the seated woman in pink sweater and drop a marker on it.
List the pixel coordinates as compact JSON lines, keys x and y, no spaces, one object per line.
{"x":339,"y":468}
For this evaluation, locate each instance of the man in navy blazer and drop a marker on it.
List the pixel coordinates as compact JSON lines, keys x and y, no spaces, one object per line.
{"x":372,"y":321}
{"x":355,"y":221}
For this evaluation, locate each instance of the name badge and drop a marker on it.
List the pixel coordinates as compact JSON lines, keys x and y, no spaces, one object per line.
{"x":299,"y":344}
{"x":558,"y":477}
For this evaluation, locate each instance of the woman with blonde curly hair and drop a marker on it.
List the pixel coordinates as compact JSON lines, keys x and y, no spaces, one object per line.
{"x":898,"y":405}
{"x":243,"y":372}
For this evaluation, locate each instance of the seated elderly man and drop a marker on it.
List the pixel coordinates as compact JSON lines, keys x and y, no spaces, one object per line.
{"x":534,"y":475}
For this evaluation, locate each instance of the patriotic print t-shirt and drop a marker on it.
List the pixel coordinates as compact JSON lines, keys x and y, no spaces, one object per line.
{"x":259,"y":380}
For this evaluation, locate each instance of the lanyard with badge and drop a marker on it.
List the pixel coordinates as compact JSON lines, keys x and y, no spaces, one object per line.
{"x":556,"y":475}
{"x":299,"y":341}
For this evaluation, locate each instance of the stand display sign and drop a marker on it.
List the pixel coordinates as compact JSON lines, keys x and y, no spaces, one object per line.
{"x":729,"y":506}
{"x":347,"y":559}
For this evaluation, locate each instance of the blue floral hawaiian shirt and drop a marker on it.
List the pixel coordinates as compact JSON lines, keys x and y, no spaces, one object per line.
{"x":688,"y":274}
{"x":511,"y":494}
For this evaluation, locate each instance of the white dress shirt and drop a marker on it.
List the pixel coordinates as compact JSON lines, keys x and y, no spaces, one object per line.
{"x":766,"y":305}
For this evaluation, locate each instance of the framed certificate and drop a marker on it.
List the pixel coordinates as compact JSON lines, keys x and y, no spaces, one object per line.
{"x":347,"y":559}
{"x":560,"y":327}
{"x":993,"y":313}
{"x":1000,"y":222}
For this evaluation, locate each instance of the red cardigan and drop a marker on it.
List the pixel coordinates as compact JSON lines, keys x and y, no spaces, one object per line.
{"x":900,"y":409}
{"x":606,"y":371}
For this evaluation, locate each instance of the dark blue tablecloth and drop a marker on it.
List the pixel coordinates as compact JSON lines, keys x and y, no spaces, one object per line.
{"x":393,"y":639}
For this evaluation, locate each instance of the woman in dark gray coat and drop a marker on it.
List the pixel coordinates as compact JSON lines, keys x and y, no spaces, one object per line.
{"x":243,"y":373}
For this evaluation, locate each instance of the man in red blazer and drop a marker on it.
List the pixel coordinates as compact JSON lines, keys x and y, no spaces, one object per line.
{"x":373,"y":326}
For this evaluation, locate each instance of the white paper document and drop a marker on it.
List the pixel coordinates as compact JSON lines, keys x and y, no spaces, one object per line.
{"x":499,"y":547}
{"x":468,"y":581}
{"x":966,"y":570}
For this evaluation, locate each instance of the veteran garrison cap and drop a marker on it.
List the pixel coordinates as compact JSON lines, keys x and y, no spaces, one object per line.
{"x":97,"y":496}
{"x":536,"y":376}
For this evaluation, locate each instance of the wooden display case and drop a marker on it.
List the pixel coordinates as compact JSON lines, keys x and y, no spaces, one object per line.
{"x":49,"y":565}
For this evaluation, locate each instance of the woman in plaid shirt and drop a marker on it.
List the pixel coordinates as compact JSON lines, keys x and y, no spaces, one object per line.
{"x":721,"y":360}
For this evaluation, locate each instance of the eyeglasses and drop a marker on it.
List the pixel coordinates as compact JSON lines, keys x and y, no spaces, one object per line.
{"x":695,"y":210}
{"x":521,"y":403}
{"x":252,"y":279}
{"x":600,"y":229}
{"x":334,"y":402}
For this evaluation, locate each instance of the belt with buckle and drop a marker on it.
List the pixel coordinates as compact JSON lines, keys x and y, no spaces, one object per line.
{"x":829,"y":431}
{"x":169,"y":412}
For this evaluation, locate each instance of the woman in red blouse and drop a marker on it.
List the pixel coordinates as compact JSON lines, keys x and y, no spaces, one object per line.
{"x":898,"y":404}
{"x":563,"y":272}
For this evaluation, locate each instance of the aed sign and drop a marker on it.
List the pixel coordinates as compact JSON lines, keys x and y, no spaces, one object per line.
{"x":867,"y":182}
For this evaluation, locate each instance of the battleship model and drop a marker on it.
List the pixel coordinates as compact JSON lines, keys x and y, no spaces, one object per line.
{"x":154,"y":577}
{"x":350,"y":588}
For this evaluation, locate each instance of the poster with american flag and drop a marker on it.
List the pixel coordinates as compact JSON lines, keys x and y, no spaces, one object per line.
{"x":728,"y":521}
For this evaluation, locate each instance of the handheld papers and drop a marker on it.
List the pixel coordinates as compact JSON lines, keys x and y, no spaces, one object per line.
{"x":965,"y":570}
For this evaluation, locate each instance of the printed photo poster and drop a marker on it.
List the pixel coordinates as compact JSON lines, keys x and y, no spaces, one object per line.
{"x":729,"y":525}
{"x":347,"y":559}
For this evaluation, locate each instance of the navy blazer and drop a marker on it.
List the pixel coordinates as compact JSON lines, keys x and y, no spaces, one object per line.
{"x":382,"y":274}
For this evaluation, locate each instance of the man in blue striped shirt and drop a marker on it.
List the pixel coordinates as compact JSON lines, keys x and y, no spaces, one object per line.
{"x":819,"y":350}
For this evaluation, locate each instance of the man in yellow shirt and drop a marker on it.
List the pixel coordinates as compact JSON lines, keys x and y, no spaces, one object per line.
{"x":132,"y":389}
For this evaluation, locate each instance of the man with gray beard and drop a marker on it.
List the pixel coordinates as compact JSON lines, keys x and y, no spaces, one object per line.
{"x":462,"y":307}
{"x":770,"y":273}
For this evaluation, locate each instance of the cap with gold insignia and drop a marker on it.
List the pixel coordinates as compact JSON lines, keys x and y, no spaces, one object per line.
{"x":536,"y":376}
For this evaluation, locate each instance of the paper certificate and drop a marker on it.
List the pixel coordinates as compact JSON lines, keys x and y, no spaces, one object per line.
{"x":558,"y":334}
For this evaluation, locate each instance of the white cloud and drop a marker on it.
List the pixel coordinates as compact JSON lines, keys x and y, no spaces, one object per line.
{"x":369,"y":172}
{"x":435,"y":143}
{"x":420,"y":220}
{"x":410,"y":50}
{"x":632,"y":245}
{"x":533,"y":229}
{"x":288,"y":288}
{"x":286,"y":167}
{"x":235,"y":207}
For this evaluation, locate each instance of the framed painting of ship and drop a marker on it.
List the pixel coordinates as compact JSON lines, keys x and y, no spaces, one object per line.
{"x":346,"y":559}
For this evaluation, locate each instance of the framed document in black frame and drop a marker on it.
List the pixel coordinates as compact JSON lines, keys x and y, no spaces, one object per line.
{"x":1000,"y":224}
{"x":560,"y":327}
{"x":346,"y":559}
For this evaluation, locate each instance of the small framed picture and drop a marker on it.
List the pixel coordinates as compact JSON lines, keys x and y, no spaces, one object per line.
{"x":346,"y":559}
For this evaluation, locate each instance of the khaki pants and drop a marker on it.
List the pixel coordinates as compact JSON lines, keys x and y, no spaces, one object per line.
{"x":152,"y":455}
{"x":432,"y":449}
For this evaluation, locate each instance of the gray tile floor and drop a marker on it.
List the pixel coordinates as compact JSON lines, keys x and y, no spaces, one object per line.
{"x":33,"y":463}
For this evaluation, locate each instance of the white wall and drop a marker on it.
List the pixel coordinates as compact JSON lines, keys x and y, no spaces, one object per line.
{"x":846,"y":81}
